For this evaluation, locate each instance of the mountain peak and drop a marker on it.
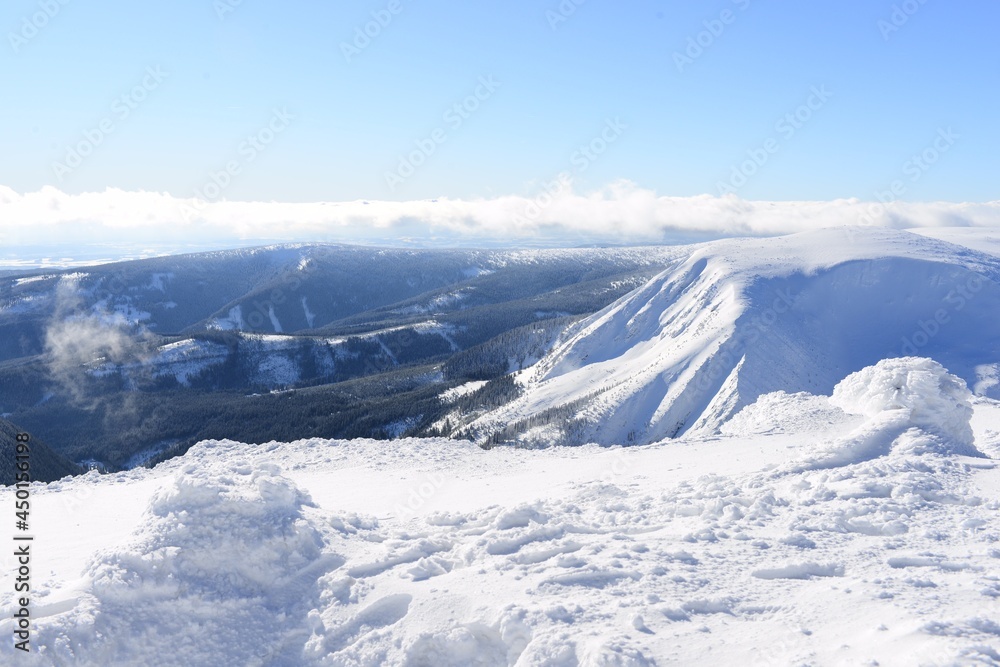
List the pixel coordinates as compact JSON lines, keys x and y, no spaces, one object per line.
{"x":744,"y":317}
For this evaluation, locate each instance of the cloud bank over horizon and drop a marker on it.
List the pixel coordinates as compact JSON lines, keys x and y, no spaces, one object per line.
{"x":619,"y":213}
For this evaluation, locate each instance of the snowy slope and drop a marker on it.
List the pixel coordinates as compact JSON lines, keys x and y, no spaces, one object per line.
{"x":854,"y":530}
{"x":744,"y":317}
{"x":982,"y":239}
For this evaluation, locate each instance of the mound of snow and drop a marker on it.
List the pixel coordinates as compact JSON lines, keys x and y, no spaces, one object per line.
{"x":220,"y":572}
{"x":911,"y":406}
{"x":908,"y":405}
{"x":922,"y":390}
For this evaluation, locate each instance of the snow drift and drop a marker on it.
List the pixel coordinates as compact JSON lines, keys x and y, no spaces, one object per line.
{"x":742,"y":318}
{"x":914,"y":391}
{"x":912,"y":405}
{"x":222,"y":558}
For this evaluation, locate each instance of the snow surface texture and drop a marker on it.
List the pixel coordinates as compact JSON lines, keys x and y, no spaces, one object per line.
{"x":740,"y":318}
{"x":797,"y":545}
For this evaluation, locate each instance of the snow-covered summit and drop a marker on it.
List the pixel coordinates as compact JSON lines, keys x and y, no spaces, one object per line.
{"x":740,"y":318}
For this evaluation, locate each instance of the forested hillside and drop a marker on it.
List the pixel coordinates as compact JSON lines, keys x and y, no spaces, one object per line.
{"x":125,"y":364}
{"x":45,"y":464}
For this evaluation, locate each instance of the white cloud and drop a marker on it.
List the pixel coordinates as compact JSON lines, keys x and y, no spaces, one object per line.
{"x":618,"y":213}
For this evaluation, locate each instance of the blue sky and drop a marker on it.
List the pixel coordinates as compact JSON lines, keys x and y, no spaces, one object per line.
{"x":131,"y":129}
{"x":559,"y":82}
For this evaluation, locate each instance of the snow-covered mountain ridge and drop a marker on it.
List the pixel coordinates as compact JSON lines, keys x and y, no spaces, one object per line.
{"x":740,"y":318}
{"x":112,"y":362}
